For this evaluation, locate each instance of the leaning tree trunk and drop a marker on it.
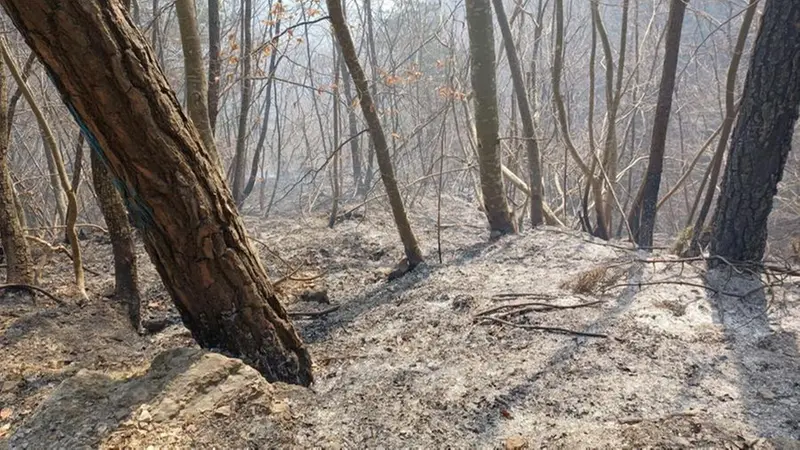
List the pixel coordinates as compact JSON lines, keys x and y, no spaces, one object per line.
{"x":168,"y":179}
{"x":642,"y":218}
{"x":484,"y":88}
{"x":531,"y":144}
{"x":18,"y":257}
{"x":410,"y":245}
{"x":762,"y":137}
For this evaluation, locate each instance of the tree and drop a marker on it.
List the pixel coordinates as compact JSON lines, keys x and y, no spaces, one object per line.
{"x":240,"y":157}
{"x":196,"y":87}
{"x":727,"y":125}
{"x":532,"y":146}
{"x":214,"y":62}
{"x":168,"y":179}
{"x":18,"y":257}
{"x":51,"y":148}
{"x":484,"y":91}
{"x":342,"y":32}
{"x":762,"y":137}
{"x":126,"y":278}
{"x":642,"y":218}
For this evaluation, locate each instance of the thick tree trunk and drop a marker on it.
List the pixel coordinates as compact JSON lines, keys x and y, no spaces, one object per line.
{"x":531,"y":144}
{"x":484,"y":90}
{"x":175,"y":193}
{"x":642,"y":218}
{"x":762,"y":136}
{"x":410,"y":245}
{"x":18,"y":257}
{"x":727,"y":125}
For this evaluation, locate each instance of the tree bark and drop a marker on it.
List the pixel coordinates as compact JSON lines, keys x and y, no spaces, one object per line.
{"x":126,"y":279}
{"x":113,"y":86}
{"x":762,"y":136}
{"x":484,"y":91}
{"x":727,"y":125}
{"x":18,"y":257}
{"x":531,"y":143}
{"x":642,"y":218}
{"x":410,"y":245}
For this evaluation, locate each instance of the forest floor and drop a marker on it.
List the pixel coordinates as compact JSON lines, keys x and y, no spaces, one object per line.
{"x":683,"y":363}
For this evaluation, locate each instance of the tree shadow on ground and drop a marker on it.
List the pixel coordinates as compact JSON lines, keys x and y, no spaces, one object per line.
{"x":766,"y":357}
{"x":385,"y":292}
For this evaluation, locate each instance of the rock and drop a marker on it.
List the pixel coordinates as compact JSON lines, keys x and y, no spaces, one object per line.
{"x":316,"y":296}
{"x":515,"y":443}
{"x":785,"y":443}
{"x":224,"y":411}
{"x":184,"y":389}
{"x":766,"y":394}
{"x":166,"y":410}
{"x":145,"y":416}
{"x":680,"y":442}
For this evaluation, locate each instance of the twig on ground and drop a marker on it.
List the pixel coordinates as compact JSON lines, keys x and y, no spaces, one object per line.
{"x":286,"y":277}
{"x":687,"y":283}
{"x":547,"y":329}
{"x":541,"y":307}
{"x":504,"y":296}
{"x":313,"y":314}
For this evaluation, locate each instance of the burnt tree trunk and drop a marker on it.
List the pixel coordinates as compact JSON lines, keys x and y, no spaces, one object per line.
{"x":642,"y":218}
{"x":126,"y":279}
{"x":526,"y":116}
{"x":484,"y":89}
{"x":410,"y":245}
{"x":214,"y":63}
{"x":114,"y":87}
{"x":762,"y":136}
{"x":15,"y":247}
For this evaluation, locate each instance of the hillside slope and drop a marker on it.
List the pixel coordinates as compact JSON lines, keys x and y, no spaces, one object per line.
{"x":681,"y":362}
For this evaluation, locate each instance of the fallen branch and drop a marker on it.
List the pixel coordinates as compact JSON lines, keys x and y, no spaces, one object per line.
{"x":547,"y":329}
{"x":502,"y":297}
{"x":312,"y":314}
{"x":34,"y":289}
{"x":540,"y":306}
